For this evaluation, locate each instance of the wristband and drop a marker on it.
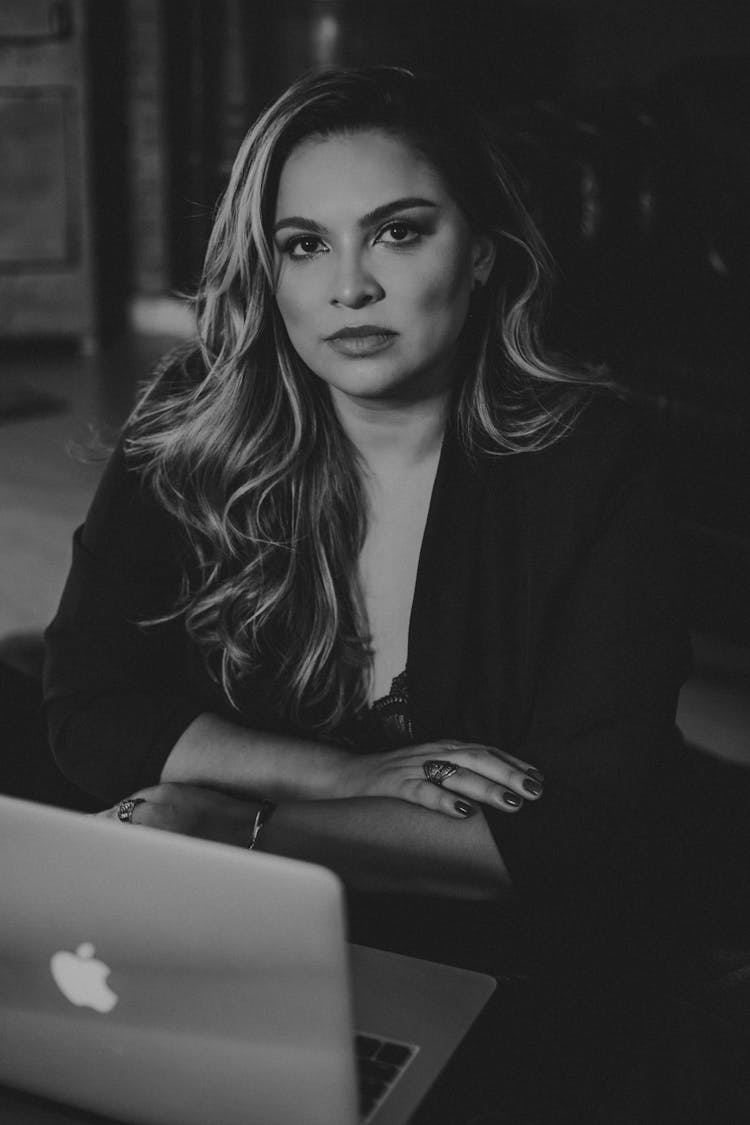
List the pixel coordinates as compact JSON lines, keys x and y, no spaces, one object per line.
{"x":261,"y":817}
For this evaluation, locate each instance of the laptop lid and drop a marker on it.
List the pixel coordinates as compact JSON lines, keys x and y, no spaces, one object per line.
{"x":158,"y":979}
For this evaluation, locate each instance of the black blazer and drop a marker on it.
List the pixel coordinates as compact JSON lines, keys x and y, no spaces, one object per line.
{"x":547,"y":620}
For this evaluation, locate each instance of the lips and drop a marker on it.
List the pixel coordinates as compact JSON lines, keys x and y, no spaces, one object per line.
{"x":362,"y":331}
{"x":364,"y":340}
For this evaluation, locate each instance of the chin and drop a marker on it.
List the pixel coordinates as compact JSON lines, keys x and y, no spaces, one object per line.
{"x":366,"y":389}
{"x":362,"y":378}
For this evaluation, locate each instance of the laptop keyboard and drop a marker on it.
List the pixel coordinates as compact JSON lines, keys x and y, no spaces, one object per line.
{"x":380,"y":1062}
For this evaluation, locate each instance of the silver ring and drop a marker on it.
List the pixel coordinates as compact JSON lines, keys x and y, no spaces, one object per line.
{"x":126,"y":806}
{"x":438,"y":771}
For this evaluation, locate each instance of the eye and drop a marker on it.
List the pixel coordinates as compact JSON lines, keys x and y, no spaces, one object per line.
{"x":304,"y":246}
{"x":400,"y":232}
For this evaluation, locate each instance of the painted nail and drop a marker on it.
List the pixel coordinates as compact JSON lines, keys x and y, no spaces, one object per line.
{"x":464,"y":809}
{"x":533,"y":787}
{"x":536,"y":774}
{"x":512,"y":799}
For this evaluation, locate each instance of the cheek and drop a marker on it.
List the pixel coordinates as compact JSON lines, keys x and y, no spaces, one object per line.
{"x":295,"y":292}
{"x":445,"y":294}
{"x":292,"y":307}
{"x":446,"y":275}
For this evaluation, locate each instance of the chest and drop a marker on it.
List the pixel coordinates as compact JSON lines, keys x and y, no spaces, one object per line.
{"x":388,"y":566}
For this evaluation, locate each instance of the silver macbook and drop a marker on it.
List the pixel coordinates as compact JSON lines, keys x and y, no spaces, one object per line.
{"x":147,"y":977}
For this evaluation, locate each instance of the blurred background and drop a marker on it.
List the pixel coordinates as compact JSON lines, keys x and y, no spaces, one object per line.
{"x":628,"y":121}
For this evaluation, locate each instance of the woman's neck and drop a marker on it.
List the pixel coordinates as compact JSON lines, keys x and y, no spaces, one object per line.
{"x":393,"y":438}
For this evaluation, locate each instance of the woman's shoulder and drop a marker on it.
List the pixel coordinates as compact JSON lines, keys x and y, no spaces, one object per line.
{"x":606,"y":425}
{"x":125,"y":515}
{"x":609,"y":438}
{"x":125,"y":519}
{"x":572,"y":482}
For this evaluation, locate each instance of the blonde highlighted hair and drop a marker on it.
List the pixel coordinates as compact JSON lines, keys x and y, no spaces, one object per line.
{"x":241,"y":445}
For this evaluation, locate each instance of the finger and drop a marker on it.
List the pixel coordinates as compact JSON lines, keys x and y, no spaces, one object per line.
{"x":479,"y":790}
{"x":436,"y":799}
{"x":127,"y":810}
{"x":162,"y":814}
{"x":521,"y":764}
{"x":478,"y":760}
{"x":506,"y":756}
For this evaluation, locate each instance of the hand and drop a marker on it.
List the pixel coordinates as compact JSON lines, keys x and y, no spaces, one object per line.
{"x":485,"y":774}
{"x":193,"y":811}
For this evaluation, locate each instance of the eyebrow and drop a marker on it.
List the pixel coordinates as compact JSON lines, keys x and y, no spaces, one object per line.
{"x":375,"y":216}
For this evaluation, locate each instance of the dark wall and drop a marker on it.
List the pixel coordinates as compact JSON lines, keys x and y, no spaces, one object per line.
{"x":499,"y":51}
{"x":509,"y":50}
{"x":616,"y":42}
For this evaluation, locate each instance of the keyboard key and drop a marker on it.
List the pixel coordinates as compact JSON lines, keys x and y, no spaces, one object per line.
{"x":380,"y":1062}
{"x":366,"y":1047}
{"x":383,"y":1072}
{"x":370,"y":1093}
{"x":395,"y":1053}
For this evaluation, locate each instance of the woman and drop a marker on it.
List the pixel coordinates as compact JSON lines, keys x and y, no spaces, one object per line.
{"x":366,"y":552}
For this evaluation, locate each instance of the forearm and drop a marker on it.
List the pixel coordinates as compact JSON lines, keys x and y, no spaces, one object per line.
{"x":220,"y":754}
{"x":381,"y":844}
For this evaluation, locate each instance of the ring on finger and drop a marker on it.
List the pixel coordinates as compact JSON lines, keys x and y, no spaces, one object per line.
{"x":126,"y":807}
{"x":438,"y":771}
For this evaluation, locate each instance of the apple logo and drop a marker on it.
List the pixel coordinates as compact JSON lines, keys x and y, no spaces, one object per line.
{"x":82,"y":979}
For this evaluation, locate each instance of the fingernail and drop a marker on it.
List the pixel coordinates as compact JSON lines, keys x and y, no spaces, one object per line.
{"x":536,"y":774}
{"x":463,"y":808}
{"x":533,"y":787}
{"x":512,"y":799}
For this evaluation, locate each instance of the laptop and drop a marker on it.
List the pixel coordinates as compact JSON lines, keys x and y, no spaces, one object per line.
{"x":152,"y":978}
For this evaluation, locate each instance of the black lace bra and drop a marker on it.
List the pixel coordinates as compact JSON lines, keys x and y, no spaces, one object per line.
{"x":386,"y":723}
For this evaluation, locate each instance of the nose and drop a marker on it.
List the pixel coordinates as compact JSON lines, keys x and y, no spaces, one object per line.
{"x":354,"y":286}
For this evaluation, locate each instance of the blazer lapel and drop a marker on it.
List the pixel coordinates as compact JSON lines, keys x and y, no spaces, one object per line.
{"x":439,"y":624}
{"x":498,"y":612}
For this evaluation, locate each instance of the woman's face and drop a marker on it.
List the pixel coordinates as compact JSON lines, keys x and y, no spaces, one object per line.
{"x":375,"y":265}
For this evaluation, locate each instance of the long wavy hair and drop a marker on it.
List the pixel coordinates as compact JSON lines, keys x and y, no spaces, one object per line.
{"x":239,"y":442}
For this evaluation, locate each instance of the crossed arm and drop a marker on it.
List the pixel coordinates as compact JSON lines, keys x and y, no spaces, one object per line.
{"x":373,"y":819}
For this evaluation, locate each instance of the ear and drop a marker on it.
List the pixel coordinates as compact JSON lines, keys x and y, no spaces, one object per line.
{"x":484,"y":249}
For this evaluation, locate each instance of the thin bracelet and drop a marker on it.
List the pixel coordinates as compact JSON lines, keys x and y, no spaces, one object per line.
{"x":261,"y":817}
